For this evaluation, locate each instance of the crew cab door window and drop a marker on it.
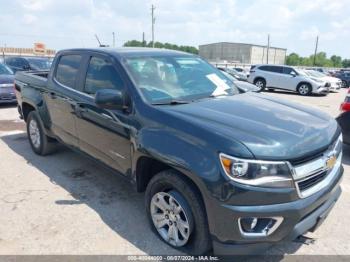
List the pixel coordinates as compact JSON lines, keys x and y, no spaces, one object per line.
{"x":101,"y":75}
{"x":67,"y":70}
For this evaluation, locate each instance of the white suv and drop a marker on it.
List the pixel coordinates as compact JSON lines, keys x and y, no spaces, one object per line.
{"x":286,"y":78}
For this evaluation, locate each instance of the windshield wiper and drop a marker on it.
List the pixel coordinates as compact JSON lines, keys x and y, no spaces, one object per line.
{"x":171,"y":102}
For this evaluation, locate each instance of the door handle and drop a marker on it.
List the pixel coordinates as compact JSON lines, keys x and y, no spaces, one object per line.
{"x":81,"y":108}
{"x":53,"y":95}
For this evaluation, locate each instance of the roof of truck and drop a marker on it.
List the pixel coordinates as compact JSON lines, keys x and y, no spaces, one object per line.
{"x":130,"y":51}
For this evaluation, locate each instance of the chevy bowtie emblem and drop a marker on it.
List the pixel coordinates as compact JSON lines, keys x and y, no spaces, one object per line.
{"x":331,"y":162}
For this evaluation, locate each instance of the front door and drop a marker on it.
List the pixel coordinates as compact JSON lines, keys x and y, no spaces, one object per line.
{"x":104,"y":134}
{"x":290,"y":78}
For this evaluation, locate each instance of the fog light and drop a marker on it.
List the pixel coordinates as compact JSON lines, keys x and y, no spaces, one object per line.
{"x":248,"y":224}
{"x":258,"y":227}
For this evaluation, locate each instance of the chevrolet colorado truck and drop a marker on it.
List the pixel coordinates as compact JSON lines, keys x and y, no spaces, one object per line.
{"x":222,"y":170}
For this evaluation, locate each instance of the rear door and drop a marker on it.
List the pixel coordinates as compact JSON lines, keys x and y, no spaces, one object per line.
{"x":62,"y":96}
{"x":104,"y":134}
{"x":272,"y":75}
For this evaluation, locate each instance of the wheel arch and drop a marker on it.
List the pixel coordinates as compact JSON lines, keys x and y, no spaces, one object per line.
{"x":26,"y":109}
{"x":302,"y":83}
{"x":259,"y":77}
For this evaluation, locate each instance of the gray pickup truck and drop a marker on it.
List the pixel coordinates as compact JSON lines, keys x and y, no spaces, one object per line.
{"x":224,"y":170}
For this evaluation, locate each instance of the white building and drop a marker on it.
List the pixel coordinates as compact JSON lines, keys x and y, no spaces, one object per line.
{"x":242,"y":53}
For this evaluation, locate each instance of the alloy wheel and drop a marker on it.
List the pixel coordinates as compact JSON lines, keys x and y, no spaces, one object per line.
{"x":304,"y":89}
{"x":34,"y":133}
{"x":259,"y":84}
{"x":170,"y":219}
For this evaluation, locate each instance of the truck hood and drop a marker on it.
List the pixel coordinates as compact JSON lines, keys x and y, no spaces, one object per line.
{"x":270,"y":128}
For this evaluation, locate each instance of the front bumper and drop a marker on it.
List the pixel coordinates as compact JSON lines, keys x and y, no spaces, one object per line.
{"x":300,"y":216}
{"x":321,"y":90}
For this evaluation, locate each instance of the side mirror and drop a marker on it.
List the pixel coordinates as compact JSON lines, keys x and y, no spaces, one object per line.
{"x":292,"y":73}
{"x":109,"y":99}
{"x":25,"y":67}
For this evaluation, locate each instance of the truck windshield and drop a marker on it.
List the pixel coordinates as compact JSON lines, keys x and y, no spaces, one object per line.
{"x":164,"y":79}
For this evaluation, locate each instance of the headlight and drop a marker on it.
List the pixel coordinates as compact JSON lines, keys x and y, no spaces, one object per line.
{"x":257,"y":173}
{"x":317,"y":80}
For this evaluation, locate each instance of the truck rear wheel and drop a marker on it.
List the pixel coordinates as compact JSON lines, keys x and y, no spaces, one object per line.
{"x":177,"y":214}
{"x":40,"y":143}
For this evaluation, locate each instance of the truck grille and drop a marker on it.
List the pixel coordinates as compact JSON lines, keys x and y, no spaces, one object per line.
{"x":310,"y":182}
{"x":313,"y":175}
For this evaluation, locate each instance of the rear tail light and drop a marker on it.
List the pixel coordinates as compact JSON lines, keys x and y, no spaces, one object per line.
{"x":345,"y":106}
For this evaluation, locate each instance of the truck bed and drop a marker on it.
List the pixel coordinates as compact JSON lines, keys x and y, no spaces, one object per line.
{"x":36,"y":79}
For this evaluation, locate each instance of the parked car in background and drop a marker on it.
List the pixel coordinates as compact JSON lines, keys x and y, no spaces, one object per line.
{"x":7,"y":91}
{"x":27,"y":63}
{"x":334,"y":83}
{"x":242,"y":70}
{"x":344,"y":76}
{"x":243,"y":86}
{"x":223,"y":170}
{"x":239,"y":76}
{"x":321,"y":70}
{"x":344,"y":118}
{"x":286,"y":78}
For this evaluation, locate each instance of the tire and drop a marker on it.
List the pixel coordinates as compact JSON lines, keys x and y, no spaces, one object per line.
{"x":304,"y":89}
{"x":260,"y":83}
{"x":166,"y":186}
{"x":40,"y":143}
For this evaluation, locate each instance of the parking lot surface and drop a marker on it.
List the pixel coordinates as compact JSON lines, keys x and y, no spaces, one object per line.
{"x":66,"y":204}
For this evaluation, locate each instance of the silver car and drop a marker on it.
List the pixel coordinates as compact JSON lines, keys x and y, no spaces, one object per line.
{"x":286,"y":78}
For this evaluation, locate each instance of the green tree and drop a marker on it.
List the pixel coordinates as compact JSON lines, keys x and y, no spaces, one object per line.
{"x":293,"y":59}
{"x":188,"y":49}
{"x":346,"y":63}
{"x":133,"y":43}
{"x":336,"y":60}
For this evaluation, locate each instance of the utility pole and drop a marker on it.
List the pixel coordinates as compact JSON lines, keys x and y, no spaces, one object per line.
{"x":268,"y":48}
{"x":153,"y":21}
{"x":143,"y":39}
{"x":113,"y":39}
{"x":316,"y":46}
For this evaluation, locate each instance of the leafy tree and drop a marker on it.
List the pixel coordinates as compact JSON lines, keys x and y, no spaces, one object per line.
{"x":321,"y":60}
{"x":336,"y":60}
{"x":293,"y":59}
{"x":188,"y":49}
{"x":133,"y":43}
{"x":346,"y":63}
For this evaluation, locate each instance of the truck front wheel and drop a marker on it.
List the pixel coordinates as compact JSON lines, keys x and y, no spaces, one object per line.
{"x":177,"y":214}
{"x":40,"y":143}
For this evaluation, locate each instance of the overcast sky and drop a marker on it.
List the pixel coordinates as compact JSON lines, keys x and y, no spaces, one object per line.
{"x":292,"y":24}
